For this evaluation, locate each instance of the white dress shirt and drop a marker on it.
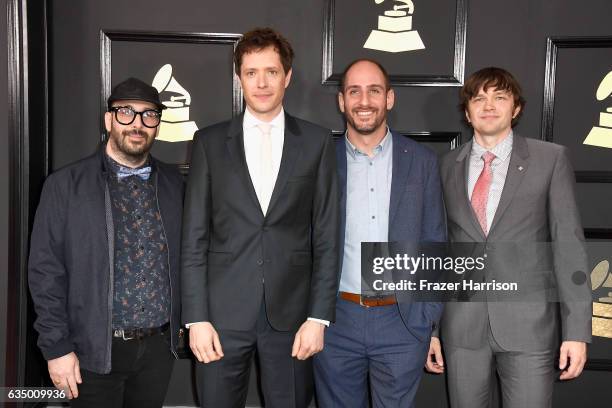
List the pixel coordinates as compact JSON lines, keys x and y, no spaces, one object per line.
{"x":253,"y":139}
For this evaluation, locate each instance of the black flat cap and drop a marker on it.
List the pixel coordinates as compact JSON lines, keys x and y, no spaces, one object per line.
{"x":133,"y":88}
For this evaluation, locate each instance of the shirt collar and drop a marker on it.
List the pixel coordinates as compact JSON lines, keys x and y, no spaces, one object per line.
{"x":353,"y":151}
{"x":250,"y":121}
{"x":501,"y":150}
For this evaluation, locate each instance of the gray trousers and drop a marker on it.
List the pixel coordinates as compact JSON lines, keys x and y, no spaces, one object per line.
{"x":526,"y":377}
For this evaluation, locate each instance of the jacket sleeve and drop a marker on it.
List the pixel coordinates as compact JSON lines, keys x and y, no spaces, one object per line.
{"x":195,"y":237}
{"x":325,"y":237}
{"x":569,"y":251}
{"x":433,"y":226}
{"x":47,"y":274}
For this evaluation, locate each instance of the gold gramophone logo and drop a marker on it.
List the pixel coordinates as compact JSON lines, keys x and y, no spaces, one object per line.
{"x":601,"y":281}
{"x":395,"y":33}
{"x":602,"y":135}
{"x":175,"y":124}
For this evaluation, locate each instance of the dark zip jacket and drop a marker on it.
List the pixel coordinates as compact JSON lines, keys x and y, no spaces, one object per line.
{"x":71,"y":262}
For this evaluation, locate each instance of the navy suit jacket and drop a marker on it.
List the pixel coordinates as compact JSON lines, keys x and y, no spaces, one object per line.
{"x":416,"y":214}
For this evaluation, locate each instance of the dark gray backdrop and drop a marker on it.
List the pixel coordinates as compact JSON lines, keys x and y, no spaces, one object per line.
{"x":507,"y":34}
{"x":4,"y":189}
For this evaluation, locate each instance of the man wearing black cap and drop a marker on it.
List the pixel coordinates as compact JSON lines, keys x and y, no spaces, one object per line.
{"x":104,"y":259}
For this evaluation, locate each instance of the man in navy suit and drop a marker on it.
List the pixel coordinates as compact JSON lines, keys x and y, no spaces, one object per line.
{"x":390,"y":191}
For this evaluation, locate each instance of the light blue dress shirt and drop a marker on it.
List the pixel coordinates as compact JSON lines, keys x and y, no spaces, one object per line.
{"x":368,"y":191}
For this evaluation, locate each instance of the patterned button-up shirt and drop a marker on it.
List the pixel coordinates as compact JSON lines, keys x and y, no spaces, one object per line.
{"x":141,"y":279}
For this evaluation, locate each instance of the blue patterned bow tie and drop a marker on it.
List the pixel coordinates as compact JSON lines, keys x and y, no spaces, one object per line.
{"x":143,"y":172}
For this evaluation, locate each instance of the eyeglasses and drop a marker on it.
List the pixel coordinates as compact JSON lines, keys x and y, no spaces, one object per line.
{"x":125,"y":115}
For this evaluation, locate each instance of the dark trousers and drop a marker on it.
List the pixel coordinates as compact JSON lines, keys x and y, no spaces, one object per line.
{"x":139,"y":376}
{"x":368,"y":345}
{"x":285,"y":381}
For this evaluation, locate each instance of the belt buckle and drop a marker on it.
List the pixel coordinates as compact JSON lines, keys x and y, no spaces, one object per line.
{"x":364,"y":298}
{"x":374,"y":300}
{"x":121,"y":333}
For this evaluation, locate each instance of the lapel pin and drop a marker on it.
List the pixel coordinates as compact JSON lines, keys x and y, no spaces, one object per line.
{"x":405,"y":150}
{"x":520,"y":168}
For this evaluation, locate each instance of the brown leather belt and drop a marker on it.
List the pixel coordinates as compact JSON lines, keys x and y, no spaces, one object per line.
{"x":139,"y":333}
{"x":369,"y":301}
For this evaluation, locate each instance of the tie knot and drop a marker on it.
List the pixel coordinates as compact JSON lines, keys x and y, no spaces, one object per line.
{"x":265,"y":128}
{"x":488,"y":157}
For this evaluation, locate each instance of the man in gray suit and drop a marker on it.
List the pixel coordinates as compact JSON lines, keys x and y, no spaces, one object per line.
{"x":514,"y":197}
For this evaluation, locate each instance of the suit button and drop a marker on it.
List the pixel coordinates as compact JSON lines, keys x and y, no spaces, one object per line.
{"x":260,"y":262}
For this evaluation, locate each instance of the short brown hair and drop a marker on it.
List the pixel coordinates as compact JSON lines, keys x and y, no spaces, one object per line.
{"x":349,"y":66}
{"x":494,"y":77}
{"x":260,"y":38}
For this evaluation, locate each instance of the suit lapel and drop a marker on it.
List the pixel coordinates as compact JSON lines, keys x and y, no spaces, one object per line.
{"x":402,"y":160}
{"x":516,"y":172}
{"x":342,"y":167}
{"x":235,"y":149}
{"x":342,"y":180}
{"x":291,"y":147}
{"x":462,"y":164}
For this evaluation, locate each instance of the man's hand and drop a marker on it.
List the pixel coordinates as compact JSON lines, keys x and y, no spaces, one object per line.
{"x":204,"y":342}
{"x":576,"y":353}
{"x":308,"y":340}
{"x":435,"y":350}
{"x":66,"y":374}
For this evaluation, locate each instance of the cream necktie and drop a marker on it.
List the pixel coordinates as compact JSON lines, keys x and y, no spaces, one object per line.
{"x":266,"y":185}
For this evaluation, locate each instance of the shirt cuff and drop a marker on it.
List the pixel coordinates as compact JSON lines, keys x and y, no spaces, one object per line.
{"x":189,"y":324}
{"x":323,"y":322}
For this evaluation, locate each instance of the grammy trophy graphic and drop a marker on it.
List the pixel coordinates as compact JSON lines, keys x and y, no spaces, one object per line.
{"x":601,"y":281}
{"x":394,"y":33}
{"x":175,"y":124}
{"x":601,"y":135}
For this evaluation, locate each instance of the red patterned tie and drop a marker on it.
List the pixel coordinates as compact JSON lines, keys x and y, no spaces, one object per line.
{"x":480,"y":195}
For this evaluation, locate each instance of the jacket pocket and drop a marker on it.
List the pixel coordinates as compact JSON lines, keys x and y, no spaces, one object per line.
{"x":301,"y":258}
{"x":220,"y":258}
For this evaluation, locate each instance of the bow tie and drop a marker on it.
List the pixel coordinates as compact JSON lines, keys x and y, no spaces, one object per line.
{"x":143,"y":172}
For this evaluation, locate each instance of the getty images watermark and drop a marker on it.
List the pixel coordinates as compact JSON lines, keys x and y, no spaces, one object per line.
{"x":411,"y":265}
{"x":473,"y":272}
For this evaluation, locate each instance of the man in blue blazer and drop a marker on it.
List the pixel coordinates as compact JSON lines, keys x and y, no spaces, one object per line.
{"x":390,"y":191}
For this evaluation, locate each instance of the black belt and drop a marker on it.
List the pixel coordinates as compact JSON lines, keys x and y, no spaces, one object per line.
{"x":130,"y":334}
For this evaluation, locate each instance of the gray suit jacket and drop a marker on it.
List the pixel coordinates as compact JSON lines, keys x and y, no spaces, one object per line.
{"x":536,"y":239}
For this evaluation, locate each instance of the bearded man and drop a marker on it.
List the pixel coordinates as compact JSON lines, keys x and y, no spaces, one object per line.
{"x":104,"y":260}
